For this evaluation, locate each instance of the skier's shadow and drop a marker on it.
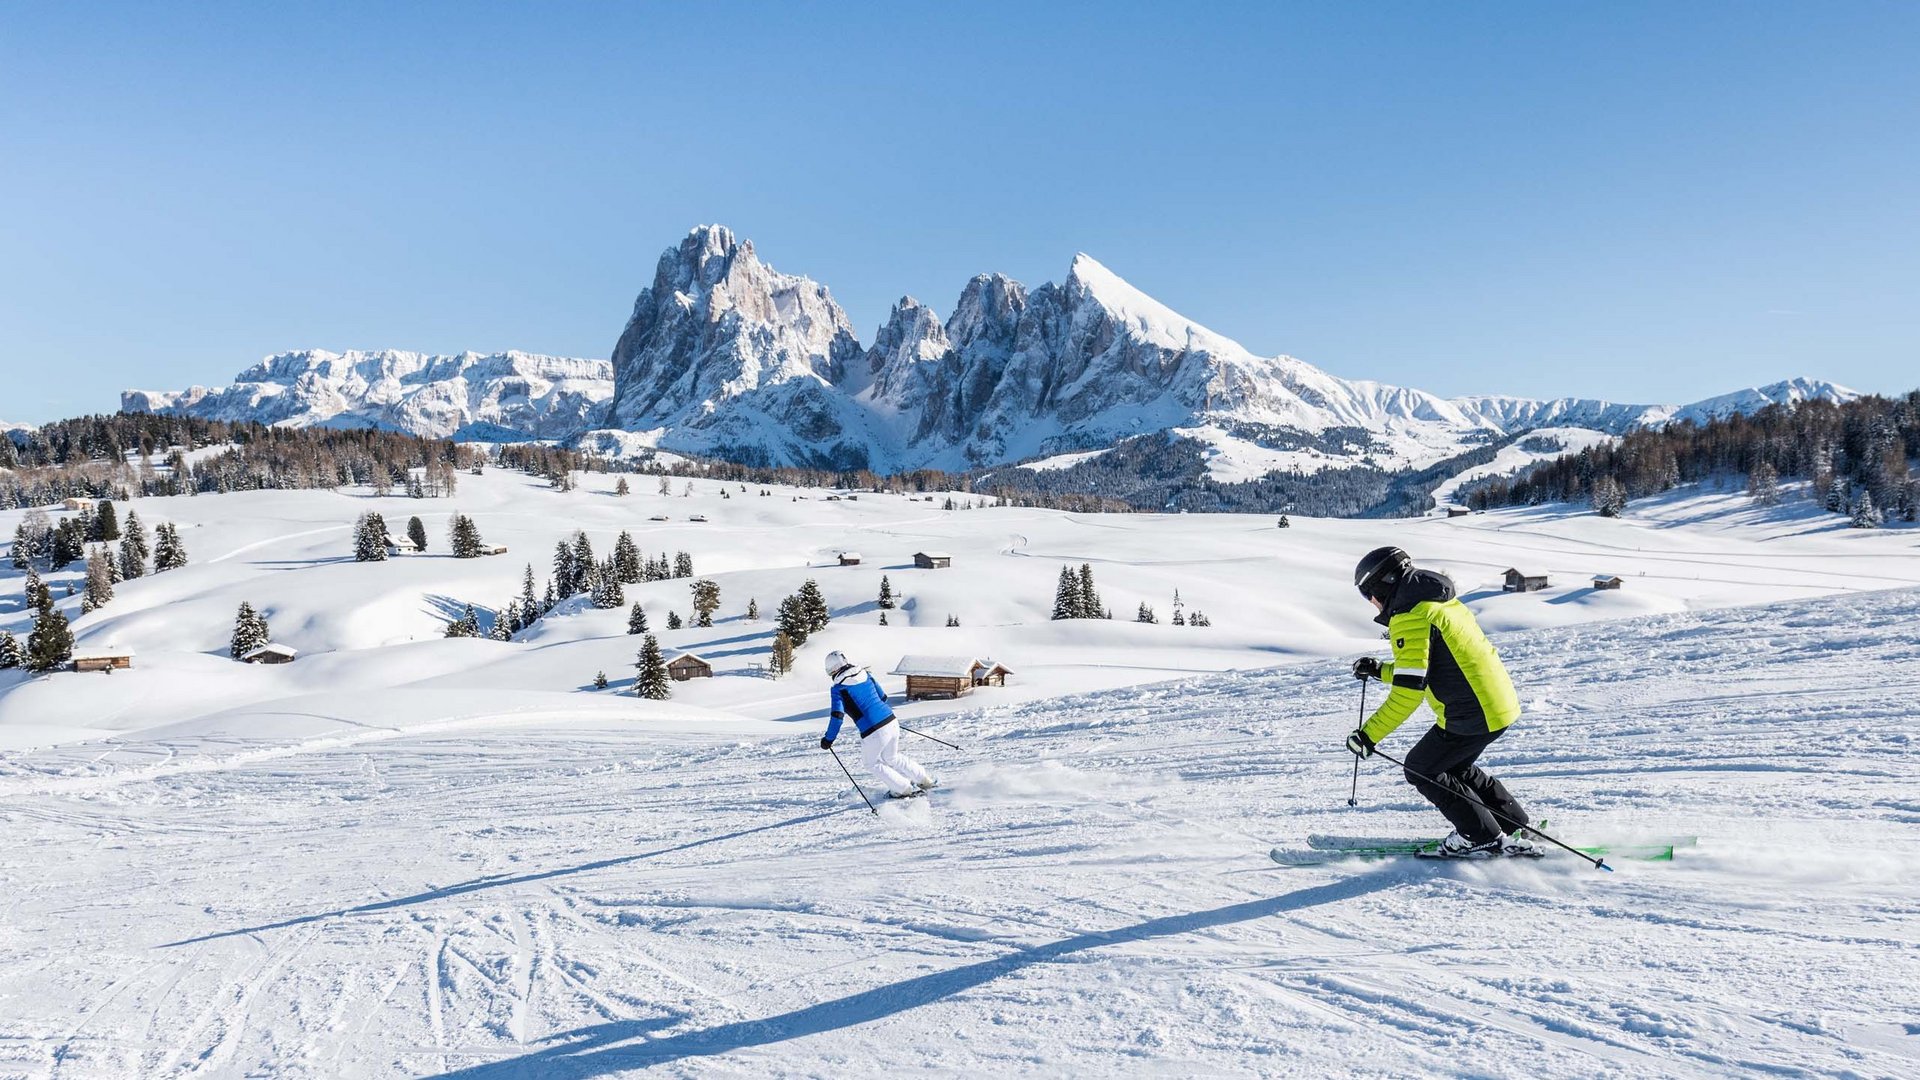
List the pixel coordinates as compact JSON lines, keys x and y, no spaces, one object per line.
{"x":594,"y":1050}
{"x":497,"y":880}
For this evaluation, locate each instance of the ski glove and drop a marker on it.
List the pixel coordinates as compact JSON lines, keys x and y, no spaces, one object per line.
{"x":1366,"y":668}
{"x":1360,"y":744}
{"x":826,"y":744}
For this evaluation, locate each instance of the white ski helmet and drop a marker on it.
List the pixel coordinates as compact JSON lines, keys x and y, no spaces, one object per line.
{"x":837,"y":660}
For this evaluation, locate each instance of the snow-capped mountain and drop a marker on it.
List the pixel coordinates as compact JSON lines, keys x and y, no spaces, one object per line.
{"x":495,"y":396}
{"x":724,"y":356}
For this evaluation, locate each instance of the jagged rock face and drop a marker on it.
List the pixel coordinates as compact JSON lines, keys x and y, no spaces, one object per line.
{"x":735,"y":359}
{"x":500,"y":395}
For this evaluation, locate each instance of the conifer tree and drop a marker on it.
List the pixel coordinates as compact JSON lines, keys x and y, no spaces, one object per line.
{"x":792,"y":620}
{"x":106,"y":523}
{"x":886,"y":593}
{"x":607,"y":593}
{"x":953,"y":620}
{"x":417,"y":532}
{"x":369,"y":538}
{"x":682,"y":565}
{"x":25,"y":548}
{"x":1865,"y":514}
{"x":1180,"y":619}
{"x":753,"y":611}
{"x":1763,"y":485}
{"x":626,"y":559}
{"x":99,"y":580}
{"x":169,"y":553}
{"x":69,"y":543}
{"x":249,"y":632}
{"x":1146,"y":614}
{"x":584,"y":562}
{"x":467,"y":625}
{"x":1199,"y":618}
{"x":35,"y":590}
{"x":673,"y":620}
{"x":636,"y":620}
{"x":50,"y":646}
{"x":815,"y":607}
{"x":506,"y":620}
{"x":11,"y":654}
{"x":781,"y":660}
{"x":883,"y":618}
{"x":600,"y":677}
{"x":563,"y":572}
{"x":529,"y":597}
{"x":464,"y":537}
{"x":620,"y":488}
{"x":133,"y":549}
{"x":1067,"y":603}
{"x":652,"y":681}
{"x":1090,"y":606}
{"x":706,"y":600}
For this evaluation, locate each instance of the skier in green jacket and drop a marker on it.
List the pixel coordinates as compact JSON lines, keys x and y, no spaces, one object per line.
{"x":1441,"y":657}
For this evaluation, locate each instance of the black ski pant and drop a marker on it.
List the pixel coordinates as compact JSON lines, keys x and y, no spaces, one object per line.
{"x":1449,"y":759}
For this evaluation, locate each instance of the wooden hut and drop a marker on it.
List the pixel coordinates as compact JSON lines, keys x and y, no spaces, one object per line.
{"x":76,"y":503}
{"x":493,"y":549}
{"x":109,"y":661}
{"x":688,"y":666}
{"x":401,"y":545}
{"x":937,"y":676}
{"x":989,"y":673}
{"x":272,"y":653}
{"x":932,"y":560}
{"x":1606,"y":581}
{"x":1458,"y":511}
{"x":1521,"y":582}
{"x":849,"y":558}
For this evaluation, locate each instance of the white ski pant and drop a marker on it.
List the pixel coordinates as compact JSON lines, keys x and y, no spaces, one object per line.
{"x":880,"y":752}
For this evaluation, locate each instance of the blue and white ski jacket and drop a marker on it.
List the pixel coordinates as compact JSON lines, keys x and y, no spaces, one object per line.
{"x":857,"y":695}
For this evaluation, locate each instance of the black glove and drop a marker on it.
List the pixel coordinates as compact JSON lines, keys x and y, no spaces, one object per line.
{"x":1366,"y":668}
{"x":1359,"y":744}
{"x":826,"y":744}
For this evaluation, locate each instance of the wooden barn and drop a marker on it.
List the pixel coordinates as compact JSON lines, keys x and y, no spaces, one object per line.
{"x":401,"y":545}
{"x":989,"y":673}
{"x":937,"y":676}
{"x":493,"y":549}
{"x":688,"y":666}
{"x":77,"y":503}
{"x":849,"y":558}
{"x":1458,"y":511}
{"x":1606,"y":581}
{"x":932,"y":560}
{"x":102,"y":661}
{"x":1519,"y":582}
{"x":271,"y":653}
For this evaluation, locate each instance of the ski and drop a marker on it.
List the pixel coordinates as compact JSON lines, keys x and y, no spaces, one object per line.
{"x":1322,"y":849}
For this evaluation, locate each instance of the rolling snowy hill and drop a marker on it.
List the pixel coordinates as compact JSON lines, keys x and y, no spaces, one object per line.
{"x":402,"y":855}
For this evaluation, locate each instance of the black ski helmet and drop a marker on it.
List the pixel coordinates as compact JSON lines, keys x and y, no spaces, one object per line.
{"x":1380,"y":573}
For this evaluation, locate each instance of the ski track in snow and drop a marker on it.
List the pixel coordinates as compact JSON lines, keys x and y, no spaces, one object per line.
{"x":1086,"y":895}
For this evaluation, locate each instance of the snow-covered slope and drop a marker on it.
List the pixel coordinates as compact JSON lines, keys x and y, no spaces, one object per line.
{"x":403,"y":856}
{"x":487,"y":397}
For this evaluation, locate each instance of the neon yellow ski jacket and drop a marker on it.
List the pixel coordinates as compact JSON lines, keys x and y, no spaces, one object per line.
{"x":1440,"y":656}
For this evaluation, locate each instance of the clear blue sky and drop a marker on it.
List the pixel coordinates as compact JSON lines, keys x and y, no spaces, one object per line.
{"x":1644,"y":202}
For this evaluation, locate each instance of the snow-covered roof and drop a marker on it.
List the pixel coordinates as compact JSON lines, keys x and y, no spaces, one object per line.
{"x":938,"y":667}
{"x":400,"y":541}
{"x":990,"y":663}
{"x":933,"y":554}
{"x":849,"y":554}
{"x":688,"y":656}
{"x":274,"y":649}
{"x":101,"y":654}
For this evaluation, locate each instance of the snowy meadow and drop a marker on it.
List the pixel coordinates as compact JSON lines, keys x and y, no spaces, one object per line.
{"x":404,"y":854}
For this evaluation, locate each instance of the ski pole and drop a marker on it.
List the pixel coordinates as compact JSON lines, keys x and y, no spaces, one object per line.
{"x":851,"y":780}
{"x":1600,"y":863}
{"x":924,"y":735}
{"x":1353,"y":797}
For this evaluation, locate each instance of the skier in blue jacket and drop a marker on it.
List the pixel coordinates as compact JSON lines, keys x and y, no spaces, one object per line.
{"x":858,"y":696}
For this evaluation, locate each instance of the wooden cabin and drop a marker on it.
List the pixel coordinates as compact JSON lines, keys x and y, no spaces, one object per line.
{"x":698,"y":517}
{"x":937,"y":676}
{"x":1458,"y":511}
{"x":1606,"y":581}
{"x":271,"y":653}
{"x":849,"y":558}
{"x":76,"y":504}
{"x":493,"y":549}
{"x":102,"y":661}
{"x":688,"y":666}
{"x":401,"y":545}
{"x":989,"y":673}
{"x":932,"y":560}
{"x":1519,"y":582}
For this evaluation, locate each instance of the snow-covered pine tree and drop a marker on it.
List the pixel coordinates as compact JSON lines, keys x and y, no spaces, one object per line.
{"x":99,"y":580}
{"x":953,"y":620}
{"x":35,"y":591}
{"x":169,"y":553}
{"x":673,"y":620}
{"x":50,"y":646}
{"x":818,"y":616}
{"x":781,"y":660}
{"x":11,"y":654}
{"x":599,"y":680}
{"x":1837,"y":497}
{"x":583,"y":562}
{"x":25,"y":548}
{"x":1180,"y":619}
{"x":1090,"y":606}
{"x":69,"y":544}
{"x":620,"y":488}
{"x":529,"y":596}
{"x":417,"y":532}
{"x":1865,"y":514}
{"x":753,"y":610}
{"x":466,"y":626}
{"x":1146,"y":614}
{"x":886,"y":593}
{"x":706,"y":600}
{"x":1763,"y":484}
{"x":369,"y":538}
{"x":1199,"y":618}
{"x":883,"y":618}
{"x":652,"y":681}
{"x":607,"y":593}
{"x":106,"y":523}
{"x":666,"y":485}
{"x":636,"y":620}
{"x":563,"y":573}
{"x":506,"y":620}
{"x":626,"y":559}
{"x":249,"y":632}
{"x":464,"y":538}
{"x":792,"y":620}
{"x":1066,"y":596}
{"x":133,"y":548}
{"x":682,"y":564}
